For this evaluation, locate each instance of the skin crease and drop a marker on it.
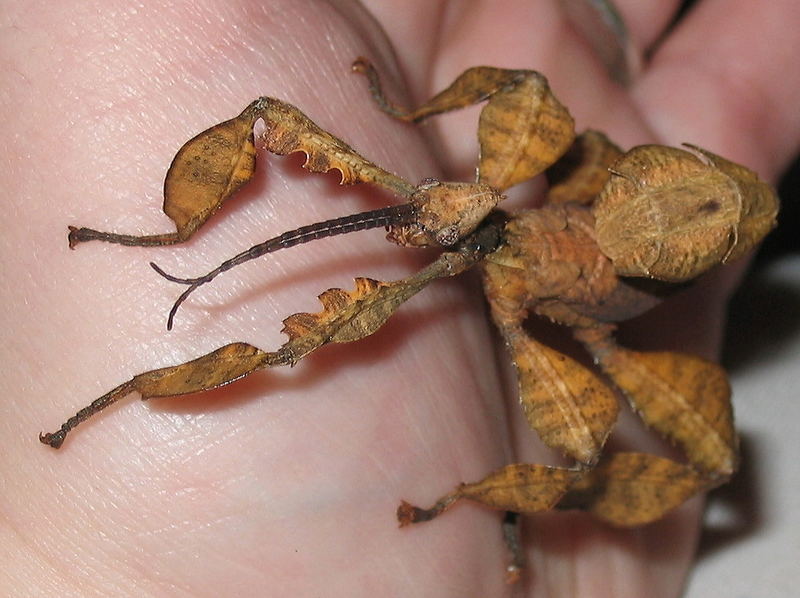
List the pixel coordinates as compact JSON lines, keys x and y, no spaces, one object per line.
{"x":286,"y":483}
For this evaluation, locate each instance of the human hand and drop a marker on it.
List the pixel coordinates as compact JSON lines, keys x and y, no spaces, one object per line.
{"x":285,"y":484}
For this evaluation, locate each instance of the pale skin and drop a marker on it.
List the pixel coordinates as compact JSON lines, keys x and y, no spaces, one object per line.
{"x":286,"y":484}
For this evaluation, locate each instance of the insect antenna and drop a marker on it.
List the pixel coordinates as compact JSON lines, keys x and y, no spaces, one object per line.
{"x":383,"y":217}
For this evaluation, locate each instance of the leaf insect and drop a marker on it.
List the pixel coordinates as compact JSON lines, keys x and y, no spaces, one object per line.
{"x":612,"y":220}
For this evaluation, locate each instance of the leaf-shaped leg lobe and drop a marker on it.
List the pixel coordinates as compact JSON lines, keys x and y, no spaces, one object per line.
{"x":212,"y":370}
{"x":628,"y":489}
{"x":206,"y":171}
{"x":683,"y":397}
{"x":289,"y":130}
{"x":625,"y":489}
{"x":570,"y":408}
{"x":346,"y":316}
{"x":519,"y":487}
{"x":472,"y":86}
{"x":213,"y":165}
{"x":522,"y":130}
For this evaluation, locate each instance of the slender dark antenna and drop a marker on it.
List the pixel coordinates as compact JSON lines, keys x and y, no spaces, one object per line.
{"x":390,"y":216}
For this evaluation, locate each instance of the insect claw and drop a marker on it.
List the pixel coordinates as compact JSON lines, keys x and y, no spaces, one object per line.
{"x":54,"y":439}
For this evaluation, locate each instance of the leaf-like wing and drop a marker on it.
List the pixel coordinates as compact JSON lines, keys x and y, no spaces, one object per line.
{"x":759,"y":208}
{"x":671,"y":214}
